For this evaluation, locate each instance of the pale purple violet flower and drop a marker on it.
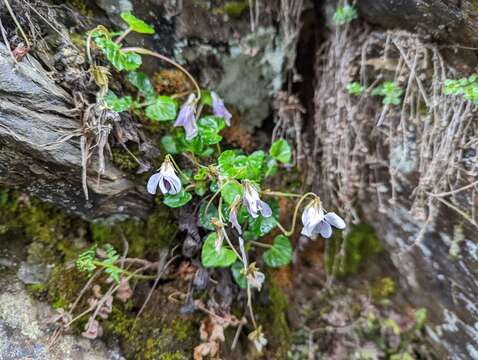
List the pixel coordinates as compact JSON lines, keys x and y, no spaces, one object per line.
{"x":253,"y":202}
{"x":166,"y":179}
{"x":311,"y":217}
{"x":187,"y":117}
{"x":219,"y":109}
{"x":316,"y":221}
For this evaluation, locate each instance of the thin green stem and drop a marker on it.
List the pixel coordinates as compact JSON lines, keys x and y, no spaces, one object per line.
{"x":146,"y":103}
{"x":249,"y":304}
{"x":114,"y":267}
{"x":122,"y":36}
{"x":225,"y":233}
{"x":296,"y":212}
{"x":170,"y":158}
{"x":280,"y":194}
{"x":144,"y":51}
{"x":264,"y":245}
{"x":214,"y":196}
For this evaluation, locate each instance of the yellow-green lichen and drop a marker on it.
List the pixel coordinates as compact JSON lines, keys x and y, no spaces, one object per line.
{"x":360,"y":244}
{"x":383,"y":288}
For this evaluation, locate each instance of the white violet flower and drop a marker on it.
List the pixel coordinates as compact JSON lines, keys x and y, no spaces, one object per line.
{"x":253,"y":202}
{"x":166,"y":179}
{"x":316,"y":221}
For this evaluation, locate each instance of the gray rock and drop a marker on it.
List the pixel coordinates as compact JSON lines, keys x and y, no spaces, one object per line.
{"x":453,"y":21}
{"x":33,"y":117}
{"x":33,"y":273}
{"x":24,"y":332}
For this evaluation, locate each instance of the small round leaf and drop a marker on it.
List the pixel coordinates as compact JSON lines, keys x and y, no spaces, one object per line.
{"x":280,"y":254}
{"x":281,"y":151}
{"x":211,"y":258}
{"x":163,"y":109}
{"x":178,"y":200}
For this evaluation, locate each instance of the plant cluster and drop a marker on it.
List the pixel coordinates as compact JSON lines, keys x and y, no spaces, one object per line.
{"x":235,"y":209}
{"x":390,"y":92}
{"x":468,"y":87}
{"x":344,"y":15}
{"x":355,"y":88}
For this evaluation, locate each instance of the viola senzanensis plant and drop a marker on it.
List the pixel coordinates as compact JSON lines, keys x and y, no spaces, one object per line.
{"x":235,"y":209}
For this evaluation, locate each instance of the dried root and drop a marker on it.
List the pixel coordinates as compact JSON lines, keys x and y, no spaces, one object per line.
{"x":426,"y":146}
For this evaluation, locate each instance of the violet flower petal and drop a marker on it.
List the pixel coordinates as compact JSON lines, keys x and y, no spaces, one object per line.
{"x":324,"y":229}
{"x":170,"y":184}
{"x":309,"y":231}
{"x":219,"y":109}
{"x":265,"y":209}
{"x":234,"y":222}
{"x":187,"y":118}
{"x":153,"y":183}
{"x":335,"y":220}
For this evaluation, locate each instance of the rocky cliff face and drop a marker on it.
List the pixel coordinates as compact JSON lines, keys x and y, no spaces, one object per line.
{"x":410,"y":168}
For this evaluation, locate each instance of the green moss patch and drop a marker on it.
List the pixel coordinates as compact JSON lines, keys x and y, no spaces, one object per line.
{"x":360,"y":244}
{"x":153,"y":335}
{"x":273,"y":317}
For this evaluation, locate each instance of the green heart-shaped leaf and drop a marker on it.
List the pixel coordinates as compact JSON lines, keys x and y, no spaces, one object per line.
{"x":230,"y":191}
{"x":211,"y":258}
{"x":169,"y":144}
{"x":178,"y":200}
{"x":280,"y":254}
{"x":129,"y":61}
{"x":281,"y":151}
{"x":116,"y":103}
{"x":209,"y":128}
{"x":205,"y":217}
{"x":255,"y":163}
{"x":163,"y":109}
{"x":141,"y":82}
{"x":261,"y":226}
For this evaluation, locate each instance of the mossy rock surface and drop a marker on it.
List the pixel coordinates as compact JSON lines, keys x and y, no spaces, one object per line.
{"x":346,"y":257}
{"x":273,"y":316}
{"x":160,"y":332}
